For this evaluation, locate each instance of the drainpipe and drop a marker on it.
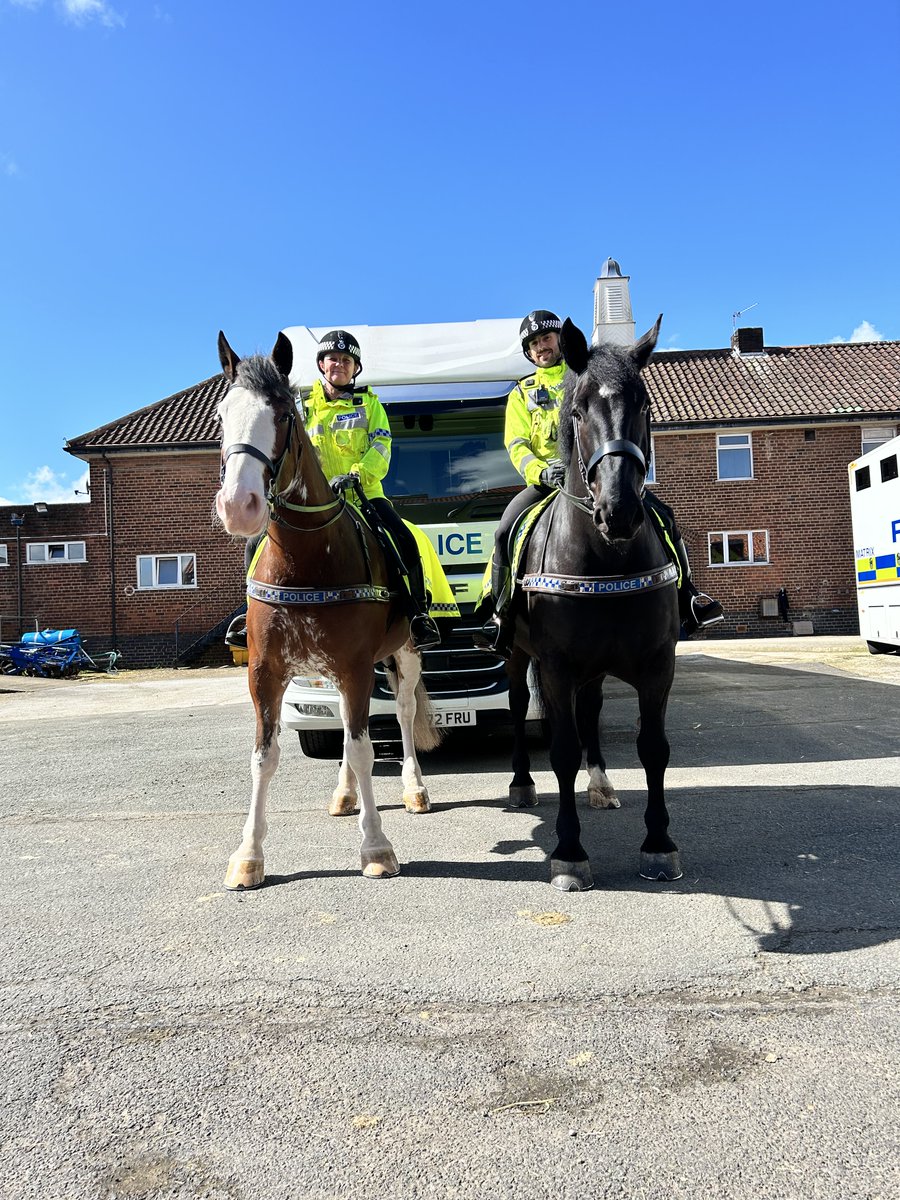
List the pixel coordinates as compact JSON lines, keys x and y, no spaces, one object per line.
{"x":108,"y":500}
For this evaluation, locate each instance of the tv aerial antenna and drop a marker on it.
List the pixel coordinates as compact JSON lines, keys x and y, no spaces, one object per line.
{"x":740,"y":312}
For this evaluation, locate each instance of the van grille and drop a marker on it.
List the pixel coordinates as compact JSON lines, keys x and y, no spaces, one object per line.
{"x":454,"y":669}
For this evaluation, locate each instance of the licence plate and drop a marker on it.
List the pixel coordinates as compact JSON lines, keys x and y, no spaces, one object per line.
{"x":453,"y":717}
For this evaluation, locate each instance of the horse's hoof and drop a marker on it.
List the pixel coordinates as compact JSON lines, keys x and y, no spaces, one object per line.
{"x":603,"y":798}
{"x":343,"y":805}
{"x":417,"y":802}
{"x":244,"y":874}
{"x":379,"y":864}
{"x":522,"y":796}
{"x":665,"y":867}
{"x":571,"y":876}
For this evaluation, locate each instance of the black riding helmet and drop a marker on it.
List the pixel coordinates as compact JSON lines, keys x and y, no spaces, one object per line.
{"x":339,"y":341}
{"x":537,"y":322}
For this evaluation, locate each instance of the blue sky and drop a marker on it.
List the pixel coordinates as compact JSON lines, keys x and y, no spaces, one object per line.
{"x":170,"y":169}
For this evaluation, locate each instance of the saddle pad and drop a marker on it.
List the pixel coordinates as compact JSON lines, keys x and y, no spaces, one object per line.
{"x":519,"y":537}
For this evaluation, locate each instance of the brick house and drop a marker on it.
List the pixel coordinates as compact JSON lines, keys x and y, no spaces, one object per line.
{"x":751,"y":445}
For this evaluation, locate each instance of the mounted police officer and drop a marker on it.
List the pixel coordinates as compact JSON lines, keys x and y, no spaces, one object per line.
{"x":349,"y":429}
{"x":531,"y":435}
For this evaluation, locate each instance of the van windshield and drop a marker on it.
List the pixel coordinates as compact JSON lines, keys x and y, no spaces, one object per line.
{"x":445,"y":461}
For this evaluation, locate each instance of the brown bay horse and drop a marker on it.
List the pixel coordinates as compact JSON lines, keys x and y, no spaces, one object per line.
{"x":321,"y":600}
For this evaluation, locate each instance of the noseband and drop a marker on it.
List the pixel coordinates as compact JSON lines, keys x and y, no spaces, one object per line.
{"x":273,"y":498}
{"x":613,"y":446}
{"x":272,"y":467}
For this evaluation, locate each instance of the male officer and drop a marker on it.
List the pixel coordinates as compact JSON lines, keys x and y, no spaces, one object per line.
{"x":531,"y":436}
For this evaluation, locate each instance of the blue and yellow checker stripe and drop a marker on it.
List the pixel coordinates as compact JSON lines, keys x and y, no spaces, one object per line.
{"x":880,"y":568}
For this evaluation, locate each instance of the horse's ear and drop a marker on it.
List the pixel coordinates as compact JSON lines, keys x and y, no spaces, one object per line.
{"x":574,"y":347}
{"x":283,"y":355}
{"x":227,"y":358}
{"x":642,"y":349}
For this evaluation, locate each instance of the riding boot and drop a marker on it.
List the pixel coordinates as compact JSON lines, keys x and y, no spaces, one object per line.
{"x":423,"y":632}
{"x":497,"y":634}
{"x":236,"y":633}
{"x":695,"y":608}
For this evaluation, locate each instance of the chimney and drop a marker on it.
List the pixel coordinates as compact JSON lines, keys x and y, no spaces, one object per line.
{"x":613,"y":322}
{"x":748,"y":341}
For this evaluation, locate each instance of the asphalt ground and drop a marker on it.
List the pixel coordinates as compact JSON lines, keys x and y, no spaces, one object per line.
{"x":462,"y":1030}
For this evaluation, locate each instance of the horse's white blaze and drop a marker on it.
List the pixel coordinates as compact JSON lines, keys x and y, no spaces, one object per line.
{"x":240,"y":501}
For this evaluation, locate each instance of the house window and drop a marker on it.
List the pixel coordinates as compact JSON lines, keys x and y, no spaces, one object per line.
{"x":734,"y":453}
{"x":4,"y":556}
{"x":739,"y":548}
{"x":45,"y":552}
{"x":166,"y":571}
{"x":651,"y":465}
{"x":874,"y":436}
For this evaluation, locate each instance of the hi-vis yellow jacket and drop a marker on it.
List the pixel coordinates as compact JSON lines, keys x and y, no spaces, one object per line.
{"x":350,"y":434}
{"x":532,"y":421}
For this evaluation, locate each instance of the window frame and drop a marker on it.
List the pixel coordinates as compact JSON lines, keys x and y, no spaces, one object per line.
{"x":52,"y":560}
{"x":726,"y":449}
{"x":750,"y":535}
{"x":875,"y":438}
{"x":4,"y":554}
{"x":154,"y":560}
{"x":651,"y":462}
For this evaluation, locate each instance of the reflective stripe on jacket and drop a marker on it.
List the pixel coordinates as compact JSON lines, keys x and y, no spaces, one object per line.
{"x":532,"y":421}
{"x":350,"y":434}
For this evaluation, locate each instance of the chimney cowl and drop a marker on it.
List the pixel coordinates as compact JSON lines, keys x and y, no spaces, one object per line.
{"x":748,"y":341}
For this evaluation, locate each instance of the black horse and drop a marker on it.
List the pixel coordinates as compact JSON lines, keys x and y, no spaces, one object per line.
{"x":598,"y":598}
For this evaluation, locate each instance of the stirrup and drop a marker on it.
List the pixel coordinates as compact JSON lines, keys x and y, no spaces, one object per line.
{"x":495,"y":637}
{"x":423,"y":632}
{"x":236,"y":633}
{"x":705,"y":610}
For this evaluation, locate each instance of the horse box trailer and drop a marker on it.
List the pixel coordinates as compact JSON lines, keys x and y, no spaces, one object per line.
{"x":444,"y":388}
{"x":875,"y":512}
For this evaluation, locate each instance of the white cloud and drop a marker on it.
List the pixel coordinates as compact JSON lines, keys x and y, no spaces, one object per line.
{"x":51,"y":487}
{"x":80,"y":12}
{"x":8,"y":166}
{"x":864,"y":332}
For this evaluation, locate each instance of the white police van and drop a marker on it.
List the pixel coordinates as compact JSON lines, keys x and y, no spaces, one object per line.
{"x":444,"y":387}
{"x":875,"y":512}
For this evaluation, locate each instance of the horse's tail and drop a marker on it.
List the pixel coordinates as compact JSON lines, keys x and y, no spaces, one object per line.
{"x":426,"y":735}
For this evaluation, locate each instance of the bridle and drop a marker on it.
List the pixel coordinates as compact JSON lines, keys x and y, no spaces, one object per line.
{"x":274,"y":499}
{"x":586,"y":470}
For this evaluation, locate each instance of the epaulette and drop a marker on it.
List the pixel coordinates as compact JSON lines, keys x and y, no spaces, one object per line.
{"x":528,"y":381}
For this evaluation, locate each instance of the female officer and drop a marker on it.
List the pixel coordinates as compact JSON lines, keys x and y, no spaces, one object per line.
{"x":349,"y":429}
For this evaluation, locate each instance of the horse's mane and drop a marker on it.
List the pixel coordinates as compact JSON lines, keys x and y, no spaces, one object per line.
{"x":610,"y":367}
{"x":259,"y":374}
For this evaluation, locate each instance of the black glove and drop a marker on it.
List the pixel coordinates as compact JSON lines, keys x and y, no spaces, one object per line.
{"x":554,"y":474}
{"x":344,"y":483}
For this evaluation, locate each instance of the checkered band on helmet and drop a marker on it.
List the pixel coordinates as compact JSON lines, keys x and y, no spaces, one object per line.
{"x":538,"y":322}
{"x":339,"y":341}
